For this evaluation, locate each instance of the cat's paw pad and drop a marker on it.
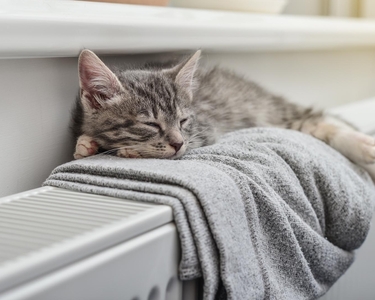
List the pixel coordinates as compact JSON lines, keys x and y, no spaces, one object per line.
{"x":128,"y":153}
{"x":85,"y":146}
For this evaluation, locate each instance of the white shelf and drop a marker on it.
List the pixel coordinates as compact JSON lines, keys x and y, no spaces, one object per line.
{"x":63,"y":28}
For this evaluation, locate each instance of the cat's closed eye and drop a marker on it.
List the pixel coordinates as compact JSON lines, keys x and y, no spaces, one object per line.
{"x":183,"y":121}
{"x":153,"y":124}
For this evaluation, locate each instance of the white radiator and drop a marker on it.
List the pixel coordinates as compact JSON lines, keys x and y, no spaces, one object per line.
{"x":58,"y":244}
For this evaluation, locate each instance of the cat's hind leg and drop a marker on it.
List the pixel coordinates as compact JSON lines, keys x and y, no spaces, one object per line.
{"x":355,"y":145}
{"x":85,"y":146}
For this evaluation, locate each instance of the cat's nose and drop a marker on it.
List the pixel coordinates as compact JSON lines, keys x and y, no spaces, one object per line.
{"x":176,"y":146}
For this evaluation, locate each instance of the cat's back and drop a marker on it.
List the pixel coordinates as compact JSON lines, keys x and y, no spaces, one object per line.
{"x":231,"y":100}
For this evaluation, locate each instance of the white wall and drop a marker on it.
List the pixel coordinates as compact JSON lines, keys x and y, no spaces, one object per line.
{"x":336,"y":8}
{"x":305,"y":7}
{"x":321,"y":78}
{"x":367,"y":9}
{"x":36,"y":96}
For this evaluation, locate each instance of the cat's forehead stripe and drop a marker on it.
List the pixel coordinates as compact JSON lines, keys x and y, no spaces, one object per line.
{"x":171,"y":104}
{"x":120,"y":126}
{"x":155,"y":112}
{"x":153,"y":90}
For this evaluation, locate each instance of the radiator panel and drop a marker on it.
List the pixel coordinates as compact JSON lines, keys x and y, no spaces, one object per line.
{"x":46,"y":228}
{"x":142,"y":268}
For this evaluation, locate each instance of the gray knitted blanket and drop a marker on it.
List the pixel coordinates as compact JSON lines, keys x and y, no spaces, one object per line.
{"x":263,"y":214}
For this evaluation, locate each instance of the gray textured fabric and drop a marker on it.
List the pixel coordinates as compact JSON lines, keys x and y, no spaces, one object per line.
{"x":270,"y":213}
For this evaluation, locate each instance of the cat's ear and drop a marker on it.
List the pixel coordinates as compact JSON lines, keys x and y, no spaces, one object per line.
{"x":184,"y":73}
{"x":98,"y":84}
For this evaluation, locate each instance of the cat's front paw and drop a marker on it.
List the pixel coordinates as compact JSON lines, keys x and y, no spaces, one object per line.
{"x":85,"y":146}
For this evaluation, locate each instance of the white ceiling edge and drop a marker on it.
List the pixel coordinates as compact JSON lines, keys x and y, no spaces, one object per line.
{"x":62,"y":28}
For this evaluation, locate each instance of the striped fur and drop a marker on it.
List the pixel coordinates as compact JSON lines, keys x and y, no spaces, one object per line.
{"x":162,"y":112}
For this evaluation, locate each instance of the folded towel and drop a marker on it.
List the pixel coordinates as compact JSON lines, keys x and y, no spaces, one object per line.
{"x":263,"y":214}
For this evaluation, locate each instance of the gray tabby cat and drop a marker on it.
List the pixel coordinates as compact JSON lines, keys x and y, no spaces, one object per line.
{"x":163,"y":112}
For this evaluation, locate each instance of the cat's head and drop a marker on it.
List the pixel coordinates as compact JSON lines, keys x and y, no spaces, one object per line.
{"x":141,"y":113}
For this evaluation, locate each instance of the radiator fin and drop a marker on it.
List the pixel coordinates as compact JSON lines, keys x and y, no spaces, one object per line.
{"x":51,"y":222}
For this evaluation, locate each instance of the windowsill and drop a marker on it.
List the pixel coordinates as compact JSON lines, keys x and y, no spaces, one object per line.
{"x":63,"y":28}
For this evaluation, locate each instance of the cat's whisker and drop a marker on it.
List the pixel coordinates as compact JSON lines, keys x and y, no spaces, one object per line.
{"x":194,"y":140}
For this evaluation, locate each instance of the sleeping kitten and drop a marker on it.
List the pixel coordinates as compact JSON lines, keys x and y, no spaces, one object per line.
{"x":163,"y":112}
